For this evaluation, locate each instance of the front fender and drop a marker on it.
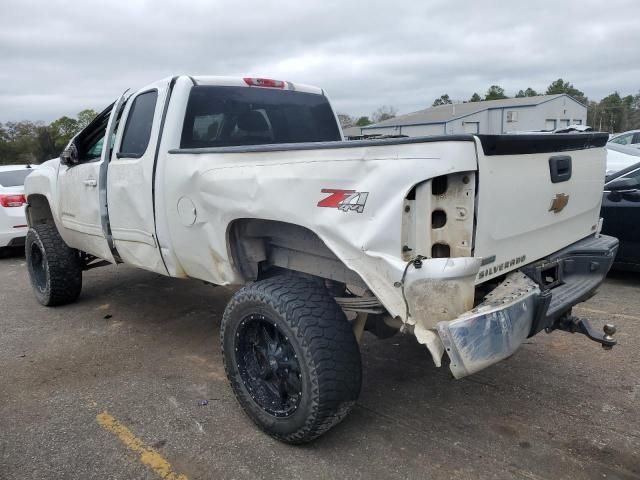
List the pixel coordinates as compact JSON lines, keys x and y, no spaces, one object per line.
{"x":43,"y":182}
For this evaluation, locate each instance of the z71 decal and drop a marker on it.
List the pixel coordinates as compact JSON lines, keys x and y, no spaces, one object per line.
{"x":345,"y":200}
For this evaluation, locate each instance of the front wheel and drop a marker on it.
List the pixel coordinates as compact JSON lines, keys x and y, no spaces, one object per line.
{"x":291,"y":357}
{"x":54,"y":268}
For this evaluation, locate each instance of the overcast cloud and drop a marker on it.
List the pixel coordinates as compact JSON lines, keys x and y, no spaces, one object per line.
{"x":57,"y":58}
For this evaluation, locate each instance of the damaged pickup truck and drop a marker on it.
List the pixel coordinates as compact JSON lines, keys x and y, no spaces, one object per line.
{"x":470,"y":242}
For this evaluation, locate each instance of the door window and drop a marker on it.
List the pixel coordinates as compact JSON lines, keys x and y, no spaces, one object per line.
{"x":632,"y":174}
{"x":96,"y":150}
{"x":137,"y":130}
{"x":623,"y":139}
{"x":89,"y":141}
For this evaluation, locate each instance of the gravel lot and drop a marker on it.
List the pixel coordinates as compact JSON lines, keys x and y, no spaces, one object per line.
{"x":144,"y":349}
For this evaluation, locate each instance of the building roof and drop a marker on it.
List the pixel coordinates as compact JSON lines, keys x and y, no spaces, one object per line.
{"x":448,"y":112}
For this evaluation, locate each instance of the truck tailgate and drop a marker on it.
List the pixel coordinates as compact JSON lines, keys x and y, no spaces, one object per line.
{"x":536,"y":195}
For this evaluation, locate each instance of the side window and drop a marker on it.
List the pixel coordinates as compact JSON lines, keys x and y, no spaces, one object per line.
{"x":623,"y":139}
{"x":636,"y":138}
{"x":633,"y":174}
{"x":96,"y":150}
{"x":89,"y":141}
{"x":137,"y":130}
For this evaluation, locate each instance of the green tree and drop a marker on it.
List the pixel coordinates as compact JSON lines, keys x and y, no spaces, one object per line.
{"x":29,"y":142}
{"x":442,"y":100}
{"x":634,"y":114}
{"x":45,"y":143}
{"x":20,"y":143}
{"x":363,"y":122}
{"x":475,"y":98}
{"x":62,"y":130}
{"x":85,"y":117}
{"x":529,"y":92}
{"x":495,"y":92}
{"x":560,"y":86}
{"x":614,"y":113}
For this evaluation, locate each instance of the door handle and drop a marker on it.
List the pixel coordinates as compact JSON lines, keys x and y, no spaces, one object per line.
{"x":560,"y":168}
{"x":90,"y":183}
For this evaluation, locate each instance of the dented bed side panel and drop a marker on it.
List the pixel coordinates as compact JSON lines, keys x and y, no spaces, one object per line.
{"x":304,"y":188}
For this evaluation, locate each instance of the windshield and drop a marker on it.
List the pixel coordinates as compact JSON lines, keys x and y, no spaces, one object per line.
{"x":14,"y":178}
{"x":236,"y":116}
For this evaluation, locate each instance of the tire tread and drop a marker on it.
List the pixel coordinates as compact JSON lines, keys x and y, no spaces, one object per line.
{"x":63,"y":265}
{"x":323,"y":331}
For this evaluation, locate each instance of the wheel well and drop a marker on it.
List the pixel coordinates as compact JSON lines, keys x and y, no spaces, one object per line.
{"x":260,"y":247}
{"x":38,"y":210}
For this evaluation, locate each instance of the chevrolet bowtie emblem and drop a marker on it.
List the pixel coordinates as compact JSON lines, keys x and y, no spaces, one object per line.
{"x":559,"y":202}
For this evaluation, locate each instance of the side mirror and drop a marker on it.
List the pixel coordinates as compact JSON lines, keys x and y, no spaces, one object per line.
{"x":70,"y":155}
{"x":622,"y":185}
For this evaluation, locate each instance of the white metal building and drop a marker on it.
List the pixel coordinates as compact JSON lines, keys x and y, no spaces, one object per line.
{"x":544,"y":112}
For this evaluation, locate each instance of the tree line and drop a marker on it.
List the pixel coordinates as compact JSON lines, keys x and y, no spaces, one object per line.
{"x":27,"y":142}
{"x":33,"y":142}
{"x":614,"y":113}
{"x":383,"y":113}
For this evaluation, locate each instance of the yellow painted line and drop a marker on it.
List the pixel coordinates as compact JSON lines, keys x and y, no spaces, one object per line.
{"x":148,"y":456}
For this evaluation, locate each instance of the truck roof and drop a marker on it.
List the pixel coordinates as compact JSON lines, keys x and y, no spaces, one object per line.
{"x":249,"y":82}
{"x":253,"y":82}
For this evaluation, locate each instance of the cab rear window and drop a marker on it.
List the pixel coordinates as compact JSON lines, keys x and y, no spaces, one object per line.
{"x":14,"y":178}
{"x":237,"y":116}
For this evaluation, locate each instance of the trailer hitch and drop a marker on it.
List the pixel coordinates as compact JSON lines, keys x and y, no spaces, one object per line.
{"x":569,"y":323}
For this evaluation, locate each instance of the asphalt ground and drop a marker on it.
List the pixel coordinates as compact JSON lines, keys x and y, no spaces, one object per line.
{"x":112,"y":387}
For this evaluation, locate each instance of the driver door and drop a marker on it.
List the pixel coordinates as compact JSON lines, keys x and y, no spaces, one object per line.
{"x":82,"y":187}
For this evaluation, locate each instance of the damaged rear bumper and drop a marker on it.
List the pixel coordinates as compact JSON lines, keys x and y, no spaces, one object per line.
{"x":493,"y":330}
{"x":522,"y":305}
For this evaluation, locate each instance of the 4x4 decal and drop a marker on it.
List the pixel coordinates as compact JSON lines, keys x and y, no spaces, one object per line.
{"x":345,"y":200}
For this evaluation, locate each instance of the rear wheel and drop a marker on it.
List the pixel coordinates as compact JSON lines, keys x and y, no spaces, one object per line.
{"x":54,"y":268}
{"x":291,"y":357}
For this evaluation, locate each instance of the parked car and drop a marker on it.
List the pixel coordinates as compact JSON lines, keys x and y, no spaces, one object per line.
{"x":13,"y":223}
{"x":621,"y":215}
{"x":632,"y":137}
{"x":620,"y":157}
{"x":574,"y":128}
{"x":247,"y":181}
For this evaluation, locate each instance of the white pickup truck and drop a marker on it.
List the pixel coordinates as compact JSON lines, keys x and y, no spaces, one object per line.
{"x":472,"y":243}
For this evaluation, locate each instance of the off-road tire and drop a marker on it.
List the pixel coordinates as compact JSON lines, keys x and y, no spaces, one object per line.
{"x":326,"y":348}
{"x":57,"y":278}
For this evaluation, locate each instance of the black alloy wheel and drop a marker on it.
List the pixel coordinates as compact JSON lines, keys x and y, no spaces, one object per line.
{"x":268,"y":365}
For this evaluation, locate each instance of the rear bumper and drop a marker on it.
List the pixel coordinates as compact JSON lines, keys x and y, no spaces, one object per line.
{"x":582,"y":267}
{"x":523,"y":304}
{"x":13,"y":238}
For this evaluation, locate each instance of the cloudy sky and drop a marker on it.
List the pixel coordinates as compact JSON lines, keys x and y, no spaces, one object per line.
{"x":59,"y":57}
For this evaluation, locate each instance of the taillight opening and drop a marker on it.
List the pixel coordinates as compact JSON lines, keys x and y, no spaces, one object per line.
{"x":12,"y":200}
{"x":264,"y":82}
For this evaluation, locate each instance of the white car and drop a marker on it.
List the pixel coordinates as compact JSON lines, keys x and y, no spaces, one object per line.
{"x":621,"y":156}
{"x":631,"y":138}
{"x":13,"y":224}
